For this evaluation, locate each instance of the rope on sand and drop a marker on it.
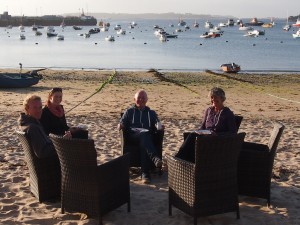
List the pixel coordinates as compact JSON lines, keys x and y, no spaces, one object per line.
{"x":108,"y":80}
{"x":161,"y":77}
{"x":289,"y":100}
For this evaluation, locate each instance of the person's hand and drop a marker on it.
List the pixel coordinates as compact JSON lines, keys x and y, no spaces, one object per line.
{"x":67,"y":134}
{"x":120,"y":126}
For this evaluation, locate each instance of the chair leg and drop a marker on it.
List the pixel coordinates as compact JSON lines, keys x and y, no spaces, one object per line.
{"x":128,"y":206}
{"x":100,"y":220}
{"x":238,"y":213}
{"x":170,"y":209}
{"x":195,"y":220}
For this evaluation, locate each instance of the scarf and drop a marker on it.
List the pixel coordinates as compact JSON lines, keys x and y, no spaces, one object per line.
{"x":56,"y":110}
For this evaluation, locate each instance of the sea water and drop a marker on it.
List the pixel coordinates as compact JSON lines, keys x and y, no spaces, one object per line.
{"x":140,"y":49}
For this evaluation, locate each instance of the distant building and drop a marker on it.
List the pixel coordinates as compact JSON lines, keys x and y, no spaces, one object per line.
{"x":5,"y":16}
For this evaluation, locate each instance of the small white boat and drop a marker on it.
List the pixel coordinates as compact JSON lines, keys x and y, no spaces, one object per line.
{"x":178,"y":30}
{"x":110,"y":38}
{"x":38,"y":33}
{"x":21,"y":28}
{"x":216,"y":30}
{"x":208,"y":25}
{"x":223,"y":25}
{"x":230,"y":22}
{"x":86,"y":35}
{"x":9,"y":27}
{"x":50,"y":29}
{"x":287,"y":27}
{"x":22,"y":37}
{"x":62,"y":25}
{"x":117,"y":27}
{"x":196,"y":24}
{"x":77,"y":27}
{"x":104,"y":28}
{"x":181,"y":23}
{"x":60,"y":37}
{"x":51,"y":34}
{"x":243,"y":27}
{"x":163,"y":38}
{"x":297,"y":34}
{"x":133,"y":23}
{"x":121,"y":31}
{"x":171,"y":25}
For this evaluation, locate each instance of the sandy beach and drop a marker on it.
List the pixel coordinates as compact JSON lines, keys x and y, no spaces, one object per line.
{"x":179,"y":99}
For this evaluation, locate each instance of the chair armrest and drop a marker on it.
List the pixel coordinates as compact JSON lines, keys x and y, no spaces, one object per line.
{"x":181,"y":173}
{"x":114,"y":173}
{"x":255,"y":146}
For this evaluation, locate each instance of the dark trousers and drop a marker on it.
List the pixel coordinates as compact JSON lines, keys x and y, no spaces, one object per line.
{"x":187,"y":149}
{"x":148,"y":150}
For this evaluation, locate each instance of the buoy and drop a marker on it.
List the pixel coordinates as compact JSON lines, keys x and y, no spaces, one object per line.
{"x":36,"y":43}
{"x":95,"y":43}
{"x":145,"y":43}
{"x":254,"y":44}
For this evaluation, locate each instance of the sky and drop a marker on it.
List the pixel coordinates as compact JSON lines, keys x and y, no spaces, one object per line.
{"x":236,"y":8}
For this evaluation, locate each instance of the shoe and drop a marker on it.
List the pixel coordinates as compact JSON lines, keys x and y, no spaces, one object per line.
{"x":146,"y":178}
{"x":157,"y":162}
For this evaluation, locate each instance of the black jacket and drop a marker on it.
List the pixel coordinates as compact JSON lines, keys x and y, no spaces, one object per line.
{"x":40,"y":142}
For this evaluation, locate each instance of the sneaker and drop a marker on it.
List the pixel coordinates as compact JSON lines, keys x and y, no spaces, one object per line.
{"x":146,"y":178}
{"x":157,"y":162}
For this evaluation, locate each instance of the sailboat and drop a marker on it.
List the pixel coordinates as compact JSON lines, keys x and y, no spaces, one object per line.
{"x":196,"y":24}
{"x":62,"y":25}
{"x":297,"y":24}
{"x":287,"y":27}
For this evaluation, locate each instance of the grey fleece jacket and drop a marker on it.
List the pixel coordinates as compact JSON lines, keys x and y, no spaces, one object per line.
{"x":136,"y":118}
{"x":40,"y":142}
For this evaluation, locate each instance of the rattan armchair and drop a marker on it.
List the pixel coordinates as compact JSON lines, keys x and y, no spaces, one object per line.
{"x":255,"y":166}
{"x":127,"y":146}
{"x":208,"y":186}
{"x":44,"y":173}
{"x":87,"y":187}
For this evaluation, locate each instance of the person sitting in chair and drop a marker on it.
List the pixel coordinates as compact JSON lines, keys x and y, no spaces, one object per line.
{"x":217,"y":118}
{"x":139,"y":121}
{"x":29,"y":123}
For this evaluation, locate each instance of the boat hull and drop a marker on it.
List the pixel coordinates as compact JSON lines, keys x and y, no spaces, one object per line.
{"x":16,"y":80}
{"x":229,"y":68}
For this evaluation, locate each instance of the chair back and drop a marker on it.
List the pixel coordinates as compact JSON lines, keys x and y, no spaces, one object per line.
{"x":44,"y":173}
{"x":275,"y":136}
{"x":238,"y":121}
{"x":221,"y":150}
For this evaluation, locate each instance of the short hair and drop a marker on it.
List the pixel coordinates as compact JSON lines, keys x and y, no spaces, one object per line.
{"x":140,"y":91}
{"x":28,"y":99}
{"x":216,"y":91}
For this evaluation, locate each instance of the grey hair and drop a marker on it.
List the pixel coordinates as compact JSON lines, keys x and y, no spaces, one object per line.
{"x":217,"y":92}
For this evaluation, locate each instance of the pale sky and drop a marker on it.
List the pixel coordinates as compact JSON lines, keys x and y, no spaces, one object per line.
{"x":236,"y":8}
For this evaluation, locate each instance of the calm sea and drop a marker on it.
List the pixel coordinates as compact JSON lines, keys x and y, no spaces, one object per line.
{"x":140,"y":49}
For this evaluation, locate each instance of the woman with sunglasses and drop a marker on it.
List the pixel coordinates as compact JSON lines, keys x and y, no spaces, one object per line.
{"x":53,"y":117}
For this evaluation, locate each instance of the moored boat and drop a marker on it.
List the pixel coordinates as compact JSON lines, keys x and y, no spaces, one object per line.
{"x":255,"y":22}
{"x":297,"y":34}
{"x":110,"y":38}
{"x":230,"y":68}
{"x":297,"y":24}
{"x":19,"y":80}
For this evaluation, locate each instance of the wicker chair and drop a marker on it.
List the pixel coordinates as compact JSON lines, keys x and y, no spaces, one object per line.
{"x":134,"y":150}
{"x":87,"y":187}
{"x":255,"y":166}
{"x":208,"y":186}
{"x":44,"y":174}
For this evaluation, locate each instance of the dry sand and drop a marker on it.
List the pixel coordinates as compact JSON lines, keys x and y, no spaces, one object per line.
{"x":261,"y":99}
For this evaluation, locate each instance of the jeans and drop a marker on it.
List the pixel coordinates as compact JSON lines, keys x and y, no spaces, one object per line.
{"x":147,"y":149}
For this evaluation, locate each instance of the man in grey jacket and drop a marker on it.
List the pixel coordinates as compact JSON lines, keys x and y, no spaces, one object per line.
{"x":29,"y":123}
{"x":139,"y":121}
